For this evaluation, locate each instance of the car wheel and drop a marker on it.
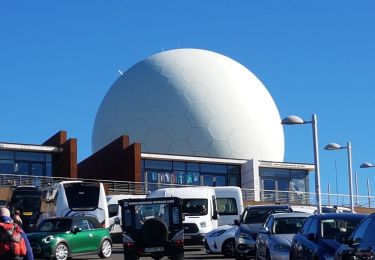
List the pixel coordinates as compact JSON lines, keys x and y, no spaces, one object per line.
{"x":61,"y":252}
{"x":228,"y":248}
{"x":105,"y":249}
{"x":179,"y":255}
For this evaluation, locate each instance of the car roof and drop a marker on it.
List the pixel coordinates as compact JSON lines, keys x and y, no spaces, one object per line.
{"x":271,"y":206}
{"x":291,"y":215}
{"x":340,"y":216}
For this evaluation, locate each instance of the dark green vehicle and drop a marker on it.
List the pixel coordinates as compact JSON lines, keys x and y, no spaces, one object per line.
{"x":62,"y":238}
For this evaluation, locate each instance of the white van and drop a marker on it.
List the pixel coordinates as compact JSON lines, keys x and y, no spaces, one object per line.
{"x":114,"y":211}
{"x":70,"y":198}
{"x":229,"y":204}
{"x":199,"y":207}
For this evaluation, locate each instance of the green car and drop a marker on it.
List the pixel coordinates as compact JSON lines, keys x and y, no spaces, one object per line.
{"x":62,"y":238}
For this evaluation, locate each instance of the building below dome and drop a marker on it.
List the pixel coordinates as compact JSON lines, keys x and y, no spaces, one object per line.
{"x":123,"y":161}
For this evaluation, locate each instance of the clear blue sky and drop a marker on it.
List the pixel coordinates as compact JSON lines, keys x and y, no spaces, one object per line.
{"x":58,"y":59}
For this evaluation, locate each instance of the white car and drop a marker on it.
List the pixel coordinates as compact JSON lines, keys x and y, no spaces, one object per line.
{"x":221,"y":240}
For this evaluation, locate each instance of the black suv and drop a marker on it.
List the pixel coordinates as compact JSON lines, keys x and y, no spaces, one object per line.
{"x":152,"y":227}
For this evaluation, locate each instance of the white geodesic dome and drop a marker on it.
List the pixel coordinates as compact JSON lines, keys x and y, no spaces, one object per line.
{"x":191,"y":102}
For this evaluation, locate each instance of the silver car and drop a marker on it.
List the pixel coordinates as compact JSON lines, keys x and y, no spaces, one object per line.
{"x":275,"y":237}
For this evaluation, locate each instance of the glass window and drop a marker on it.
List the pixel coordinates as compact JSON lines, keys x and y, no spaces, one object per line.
{"x":220,"y":180}
{"x":313,"y":229}
{"x":192,"y":178}
{"x":48,"y":157}
{"x":287,"y":225}
{"x":6,"y":155}
{"x":91,"y":225}
{"x":156,"y":164}
{"x":227,"y":206}
{"x":29,"y":156}
{"x":234,"y":169}
{"x":360,"y":231}
{"x":165,"y":177}
{"x":192,"y":167}
{"x":215,"y":168}
{"x":179,"y":166}
{"x":332,"y":227}
{"x":22,"y":168}
{"x":113,"y":210}
{"x":268,"y":187}
{"x":207,"y":180}
{"x":175,"y":215}
{"x":6,"y":166}
{"x":370,"y":234}
{"x":195,"y":207}
{"x":180,"y":178}
{"x":233,"y":180}
{"x":305,"y":227}
{"x":298,"y":174}
{"x":49,"y":169}
{"x":152,"y":176}
{"x":82,"y":196}
{"x":37,"y":169}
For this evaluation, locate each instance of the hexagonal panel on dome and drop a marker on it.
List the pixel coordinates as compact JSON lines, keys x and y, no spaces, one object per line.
{"x":219,"y":149}
{"x":156,"y":118}
{"x":196,"y":93}
{"x":200,"y":139}
{"x":178,"y":128}
{"x":159,"y":139}
{"x":220,"y":128}
{"x":180,"y":147}
{"x":199,"y":115}
{"x":139,"y":131}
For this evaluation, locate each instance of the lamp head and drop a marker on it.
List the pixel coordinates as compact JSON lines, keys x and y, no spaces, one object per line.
{"x":366,"y":165}
{"x":292,"y":120}
{"x":332,"y":146}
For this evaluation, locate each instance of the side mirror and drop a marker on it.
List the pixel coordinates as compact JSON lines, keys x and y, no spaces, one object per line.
{"x":215,"y":215}
{"x":311,"y":237}
{"x":264,"y":230}
{"x":76,"y":229}
{"x":117,"y":220}
{"x":236,"y":222}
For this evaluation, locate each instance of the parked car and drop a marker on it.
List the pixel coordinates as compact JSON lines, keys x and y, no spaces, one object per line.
{"x":321,"y":235}
{"x":251,"y":221}
{"x":275,"y":237}
{"x":221,"y":240}
{"x":361,"y":244}
{"x":65,"y":237}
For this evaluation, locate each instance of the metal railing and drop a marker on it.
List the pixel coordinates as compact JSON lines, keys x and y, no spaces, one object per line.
{"x":126,"y":187}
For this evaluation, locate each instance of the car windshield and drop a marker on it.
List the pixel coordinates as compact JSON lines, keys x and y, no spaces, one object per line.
{"x":331,"y":228}
{"x":259,"y":215}
{"x":287,"y":225}
{"x":55,"y":225}
{"x":194,"y":207}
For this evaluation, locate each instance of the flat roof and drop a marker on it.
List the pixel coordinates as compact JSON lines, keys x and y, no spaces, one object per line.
{"x":30,"y":147}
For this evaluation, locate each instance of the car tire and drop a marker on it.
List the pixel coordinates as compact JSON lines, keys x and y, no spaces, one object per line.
{"x":154,"y":232}
{"x":179,"y":255}
{"x":228,"y":248}
{"x":130,"y":256}
{"x":61,"y":252}
{"x":105,"y":249}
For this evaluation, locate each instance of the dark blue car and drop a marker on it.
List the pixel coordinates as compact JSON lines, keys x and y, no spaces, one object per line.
{"x":319,"y":236}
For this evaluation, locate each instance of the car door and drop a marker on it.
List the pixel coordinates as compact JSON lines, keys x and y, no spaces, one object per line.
{"x":97,"y":234}
{"x":310,"y":244}
{"x":298,"y":240}
{"x":262,"y":239}
{"x":82,"y":240}
{"x":363,"y":242}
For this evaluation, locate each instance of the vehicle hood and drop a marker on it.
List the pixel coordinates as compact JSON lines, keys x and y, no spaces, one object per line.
{"x":37,"y":236}
{"x":283,"y":239}
{"x":252,"y":228}
{"x":330,"y":245}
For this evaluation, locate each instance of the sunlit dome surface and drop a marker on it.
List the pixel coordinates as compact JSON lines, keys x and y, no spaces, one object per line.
{"x":191,"y":102}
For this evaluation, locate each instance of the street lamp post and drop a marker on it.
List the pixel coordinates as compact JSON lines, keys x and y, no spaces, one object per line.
{"x":334,"y":146}
{"x":295,"y":120}
{"x":368,"y":165}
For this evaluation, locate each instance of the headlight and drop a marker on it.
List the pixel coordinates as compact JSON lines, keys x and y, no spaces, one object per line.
{"x":281,"y":248}
{"x":328,"y":257}
{"x":217,"y":233}
{"x":47,"y":239}
{"x":243,"y":233}
{"x":203,"y":224}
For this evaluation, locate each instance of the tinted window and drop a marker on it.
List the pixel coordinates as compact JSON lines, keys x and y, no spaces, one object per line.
{"x":305,"y":227}
{"x":370,"y":231}
{"x":194,"y":207}
{"x":313,"y":229}
{"x":82,"y":196}
{"x":333,"y":227}
{"x":287,"y":225}
{"x":55,"y":225}
{"x":113,"y":210}
{"x":82,"y":223}
{"x":227,"y":206}
{"x":91,"y":225}
{"x":259,"y":215}
{"x":360,"y":231}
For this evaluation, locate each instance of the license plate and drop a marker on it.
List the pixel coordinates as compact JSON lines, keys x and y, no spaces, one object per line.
{"x":154,"y":249}
{"x":187,"y":237}
{"x":27,"y":213}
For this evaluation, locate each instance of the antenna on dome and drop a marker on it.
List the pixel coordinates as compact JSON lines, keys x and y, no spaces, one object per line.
{"x":119,"y":71}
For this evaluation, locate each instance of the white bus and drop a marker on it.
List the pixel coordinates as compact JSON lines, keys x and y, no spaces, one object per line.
{"x":70,"y":198}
